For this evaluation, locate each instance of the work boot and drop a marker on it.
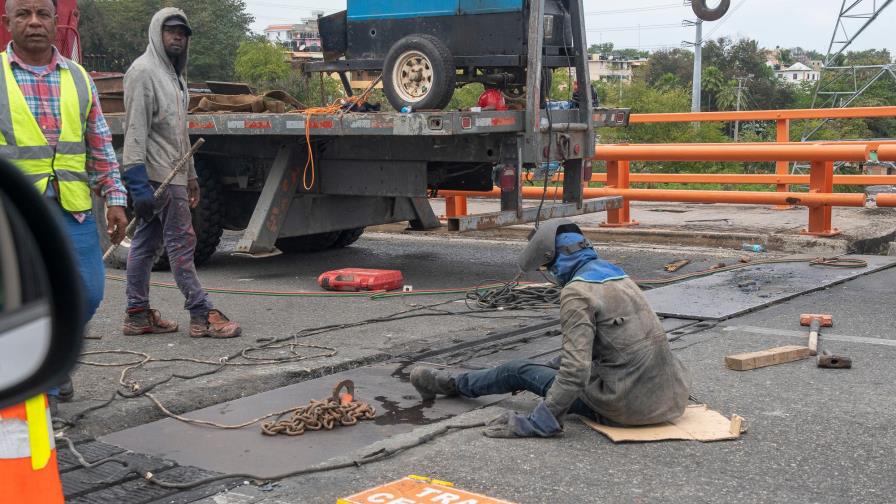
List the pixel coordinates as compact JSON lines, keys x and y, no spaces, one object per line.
{"x":213,"y":325}
{"x":146,"y":321}
{"x":66,"y":391}
{"x":430,"y":382}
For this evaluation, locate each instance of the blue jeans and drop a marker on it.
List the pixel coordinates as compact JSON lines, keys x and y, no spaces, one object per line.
{"x":513,"y":376}
{"x":89,"y":258}
{"x":173,"y":226}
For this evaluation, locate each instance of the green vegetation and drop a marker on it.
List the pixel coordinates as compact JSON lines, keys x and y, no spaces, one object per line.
{"x":114,"y":33}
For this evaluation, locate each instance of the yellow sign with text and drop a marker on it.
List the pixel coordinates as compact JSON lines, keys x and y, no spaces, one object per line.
{"x":415,"y":490}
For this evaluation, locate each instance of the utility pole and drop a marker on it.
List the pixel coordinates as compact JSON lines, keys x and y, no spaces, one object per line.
{"x":698,"y":63}
{"x":740,"y":90}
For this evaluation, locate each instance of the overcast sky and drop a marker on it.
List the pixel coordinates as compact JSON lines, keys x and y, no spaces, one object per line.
{"x":785,"y":23}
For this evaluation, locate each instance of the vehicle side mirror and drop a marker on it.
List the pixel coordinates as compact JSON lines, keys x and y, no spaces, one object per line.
{"x":41,"y":303}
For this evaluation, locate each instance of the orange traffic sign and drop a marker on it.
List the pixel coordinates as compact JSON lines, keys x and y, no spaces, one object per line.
{"x":416,"y":490}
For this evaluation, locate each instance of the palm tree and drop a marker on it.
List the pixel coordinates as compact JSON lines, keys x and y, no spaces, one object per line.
{"x":713,"y":82}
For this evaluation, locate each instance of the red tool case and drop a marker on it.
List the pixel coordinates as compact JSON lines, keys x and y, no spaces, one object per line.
{"x":361,"y":279}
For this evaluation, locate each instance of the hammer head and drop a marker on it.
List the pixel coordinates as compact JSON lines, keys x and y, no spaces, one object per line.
{"x":824,"y":319}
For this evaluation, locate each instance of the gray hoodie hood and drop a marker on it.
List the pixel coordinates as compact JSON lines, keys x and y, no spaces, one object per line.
{"x":156,"y":48}
{"x":155,"y":101}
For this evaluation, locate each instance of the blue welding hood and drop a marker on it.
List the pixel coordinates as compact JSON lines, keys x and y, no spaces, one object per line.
{"x":575,"y":263}
{"x":359,"y":10}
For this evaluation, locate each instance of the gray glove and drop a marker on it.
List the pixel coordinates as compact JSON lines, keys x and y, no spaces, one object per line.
{"x":539,"y":423}
{"x":554,"y":363}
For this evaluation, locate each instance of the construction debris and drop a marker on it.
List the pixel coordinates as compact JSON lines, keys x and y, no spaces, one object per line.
{"x":698,"y":423}
{"x":763,"y":358}
{"x":677,"y":265}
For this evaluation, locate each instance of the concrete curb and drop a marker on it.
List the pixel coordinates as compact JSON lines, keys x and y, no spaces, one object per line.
{"x":653,"y":236}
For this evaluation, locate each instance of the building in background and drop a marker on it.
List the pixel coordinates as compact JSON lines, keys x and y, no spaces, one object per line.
{"x":304,"y":36}
{"x":602,"y":67}
{"x":798,"y":72}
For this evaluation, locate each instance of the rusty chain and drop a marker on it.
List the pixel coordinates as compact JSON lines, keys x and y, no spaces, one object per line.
{"x":338,"y":409}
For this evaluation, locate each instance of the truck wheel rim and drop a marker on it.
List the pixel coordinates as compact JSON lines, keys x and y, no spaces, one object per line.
{"x":412,"y":76}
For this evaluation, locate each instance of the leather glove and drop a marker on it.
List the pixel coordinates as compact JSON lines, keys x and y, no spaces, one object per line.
{"x":539,"y":423}
{"x":137,"y":183}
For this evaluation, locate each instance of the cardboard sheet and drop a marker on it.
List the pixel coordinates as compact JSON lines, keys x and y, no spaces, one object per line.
{"x":698,"y":423}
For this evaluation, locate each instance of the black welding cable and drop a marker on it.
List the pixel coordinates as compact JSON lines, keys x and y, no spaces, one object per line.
{"x":369,"y":458}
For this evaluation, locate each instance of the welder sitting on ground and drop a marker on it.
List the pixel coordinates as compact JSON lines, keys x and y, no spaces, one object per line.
{"x":615,"y":365}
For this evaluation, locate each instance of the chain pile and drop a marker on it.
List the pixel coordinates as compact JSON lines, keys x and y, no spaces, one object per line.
{"x":320,"y":414}
{"x":338,"y":409}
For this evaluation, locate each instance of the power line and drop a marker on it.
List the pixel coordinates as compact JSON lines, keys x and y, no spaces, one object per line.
{"x":636,"y":27}
{"x":725,"y":19}
{"x":636,"y":9}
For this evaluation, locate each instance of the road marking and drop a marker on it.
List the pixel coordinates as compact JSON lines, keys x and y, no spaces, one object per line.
{"x":804,"y":334}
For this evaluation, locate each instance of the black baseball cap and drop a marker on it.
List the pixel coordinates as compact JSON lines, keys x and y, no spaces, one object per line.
{"x":179,"y":21}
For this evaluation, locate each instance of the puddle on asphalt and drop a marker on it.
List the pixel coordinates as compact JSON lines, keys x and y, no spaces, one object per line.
{"x":392,"y":413}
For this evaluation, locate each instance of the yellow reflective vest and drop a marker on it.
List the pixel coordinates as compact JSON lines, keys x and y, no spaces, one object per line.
{"x":22,"y":141}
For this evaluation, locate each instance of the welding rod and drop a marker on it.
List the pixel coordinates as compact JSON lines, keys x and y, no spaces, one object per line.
{"x":132,"y":226}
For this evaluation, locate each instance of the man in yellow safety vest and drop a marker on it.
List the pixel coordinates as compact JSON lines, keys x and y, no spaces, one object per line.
{"x":52,"y":128}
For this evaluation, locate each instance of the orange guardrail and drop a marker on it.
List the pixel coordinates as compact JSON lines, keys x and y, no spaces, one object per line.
{"x":821,"y":155}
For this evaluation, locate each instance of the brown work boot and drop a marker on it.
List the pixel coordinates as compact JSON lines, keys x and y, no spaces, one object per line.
{"x":147,"y":321}
{"x":213,"y":325}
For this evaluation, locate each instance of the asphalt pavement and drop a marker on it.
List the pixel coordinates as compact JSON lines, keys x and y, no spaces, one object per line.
{"x":812,"y":435}
{"x":426,"y":262}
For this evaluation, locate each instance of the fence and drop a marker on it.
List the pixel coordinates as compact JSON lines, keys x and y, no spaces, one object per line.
{"x":821,"y":155}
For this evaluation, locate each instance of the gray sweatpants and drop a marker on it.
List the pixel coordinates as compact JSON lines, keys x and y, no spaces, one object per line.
{"x":173,"y":226}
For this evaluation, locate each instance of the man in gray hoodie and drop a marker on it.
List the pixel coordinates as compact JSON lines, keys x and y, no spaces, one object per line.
{"x":156,"y":138}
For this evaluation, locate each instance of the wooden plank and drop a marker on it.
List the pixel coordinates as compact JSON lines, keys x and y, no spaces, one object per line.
{"x":763,"y":358}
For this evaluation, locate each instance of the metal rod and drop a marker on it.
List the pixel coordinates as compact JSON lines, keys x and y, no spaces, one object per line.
{"x":132,"y":226}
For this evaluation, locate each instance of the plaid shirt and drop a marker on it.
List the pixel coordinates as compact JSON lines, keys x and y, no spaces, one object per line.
{"x":40,"y":85}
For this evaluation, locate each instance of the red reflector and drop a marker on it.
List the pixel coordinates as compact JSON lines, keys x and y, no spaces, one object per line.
{"x":466,"y":122}
{"x":360,"y":279}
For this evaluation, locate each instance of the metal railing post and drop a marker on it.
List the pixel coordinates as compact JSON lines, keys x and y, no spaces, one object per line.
{"x":618,"y":178}
{"x":821,"y":180}
{"x":455,"y":206}
{"x":782,"y":134}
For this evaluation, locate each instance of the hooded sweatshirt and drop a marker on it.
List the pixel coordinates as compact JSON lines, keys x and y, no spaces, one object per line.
{"x":155,"y":101}
{"x":615,"y":356}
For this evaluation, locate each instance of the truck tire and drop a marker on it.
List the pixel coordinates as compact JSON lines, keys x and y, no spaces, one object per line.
{"x":706,"y":14}
{"x":348,"y":237}
{"x":419,"y":72}
{"x":308,"y":243}
{"x":208,"y":221}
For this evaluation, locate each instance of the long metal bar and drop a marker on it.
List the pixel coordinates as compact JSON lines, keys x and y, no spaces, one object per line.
{"x":764,"y":115}
{"x":730,"y":179}
{"x":700,"y":196}
{"x":509,"y":218}
{"x":734,"y":152}
{"x":178,"y":168}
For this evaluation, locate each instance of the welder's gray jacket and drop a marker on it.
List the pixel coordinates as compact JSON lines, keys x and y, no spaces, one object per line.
{"x":615,"y":356}
{"x":155,"y":101}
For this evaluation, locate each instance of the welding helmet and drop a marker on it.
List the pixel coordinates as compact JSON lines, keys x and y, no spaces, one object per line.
{"x":542,"y":250}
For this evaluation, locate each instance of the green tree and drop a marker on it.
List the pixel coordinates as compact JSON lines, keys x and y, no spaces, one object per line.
{"x":114,"y":33}
{"x":261,"y":63}
{"x":712,"y":82}
{"x":604,"y":48}
{"x":677,"y":62}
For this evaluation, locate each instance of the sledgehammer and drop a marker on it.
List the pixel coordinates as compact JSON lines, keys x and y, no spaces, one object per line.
{"x":825,"y":359}
{"x":132,"y":226}
{"x":815,"y":321}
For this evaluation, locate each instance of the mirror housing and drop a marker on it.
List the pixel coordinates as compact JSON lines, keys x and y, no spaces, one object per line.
{"x":41,"y":300}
